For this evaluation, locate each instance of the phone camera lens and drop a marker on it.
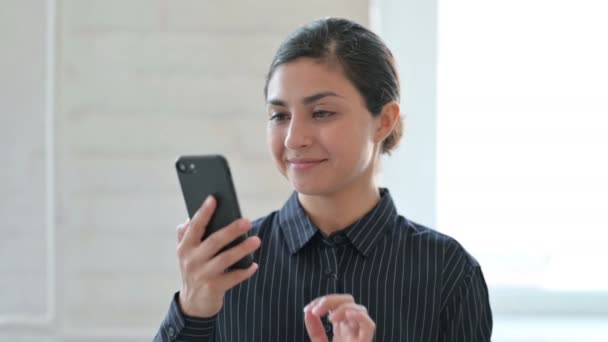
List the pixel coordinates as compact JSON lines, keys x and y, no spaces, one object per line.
{"x":181,"y":166}
{"x":192,"y":167}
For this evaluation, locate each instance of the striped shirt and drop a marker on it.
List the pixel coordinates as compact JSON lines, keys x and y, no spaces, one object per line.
{"x":418,"y":285}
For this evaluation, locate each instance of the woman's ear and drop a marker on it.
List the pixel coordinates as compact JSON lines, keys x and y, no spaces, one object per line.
{"x":388,"y":118}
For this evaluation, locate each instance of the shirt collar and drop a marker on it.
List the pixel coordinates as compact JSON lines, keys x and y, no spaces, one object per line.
{"x":296,"y":225}
{"x":363,"y":234}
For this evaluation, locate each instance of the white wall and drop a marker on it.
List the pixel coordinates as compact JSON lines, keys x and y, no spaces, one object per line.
{"x":409,"y":29}
{"x":137,"y":83}
{"x":23,"y":172}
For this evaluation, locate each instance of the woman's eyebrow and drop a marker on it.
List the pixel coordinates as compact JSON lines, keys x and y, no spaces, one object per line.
{"x":316,"y":97}
{"x":307,"y":100}
{"x":277,"y":102}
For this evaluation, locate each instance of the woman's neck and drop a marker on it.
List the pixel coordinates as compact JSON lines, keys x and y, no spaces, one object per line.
{"x":334,"y":212}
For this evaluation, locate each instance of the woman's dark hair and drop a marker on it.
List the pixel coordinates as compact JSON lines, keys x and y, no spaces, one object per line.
{"x":362,"y":55}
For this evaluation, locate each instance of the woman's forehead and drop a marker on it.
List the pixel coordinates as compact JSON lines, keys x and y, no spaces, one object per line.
{"x":306,"y":77}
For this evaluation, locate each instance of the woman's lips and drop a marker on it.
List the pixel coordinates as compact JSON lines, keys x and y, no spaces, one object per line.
{"x":302,"y":164}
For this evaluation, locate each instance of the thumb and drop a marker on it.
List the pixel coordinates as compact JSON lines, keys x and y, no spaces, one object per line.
{"x":314,"y":327}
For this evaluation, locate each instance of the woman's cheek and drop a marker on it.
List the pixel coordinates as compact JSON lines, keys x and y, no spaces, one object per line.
{"x":277,"y":147}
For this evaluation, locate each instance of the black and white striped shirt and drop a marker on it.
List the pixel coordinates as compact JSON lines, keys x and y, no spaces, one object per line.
{"x":417,"y":284}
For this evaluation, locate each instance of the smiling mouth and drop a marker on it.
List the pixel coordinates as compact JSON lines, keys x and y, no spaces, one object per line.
{"x":304,"y":164}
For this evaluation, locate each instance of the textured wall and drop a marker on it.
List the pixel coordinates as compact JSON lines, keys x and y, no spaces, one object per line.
{"x":22,"y":165}
{"x":137,"y":83}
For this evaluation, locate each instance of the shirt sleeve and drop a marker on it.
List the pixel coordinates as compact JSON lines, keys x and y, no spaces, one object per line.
{"x":466,"y":315}
{"x":178,"y":327}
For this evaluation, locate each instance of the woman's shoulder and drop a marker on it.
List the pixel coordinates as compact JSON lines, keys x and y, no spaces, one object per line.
{"x":430,"y":239}
{"x":263,"y":223}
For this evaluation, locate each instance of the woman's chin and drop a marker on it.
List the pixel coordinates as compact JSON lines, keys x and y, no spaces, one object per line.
{"x":309,"y":188}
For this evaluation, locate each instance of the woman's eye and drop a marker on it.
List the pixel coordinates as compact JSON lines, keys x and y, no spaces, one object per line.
{"x":322,"y":113}
{"x":278,"y":117}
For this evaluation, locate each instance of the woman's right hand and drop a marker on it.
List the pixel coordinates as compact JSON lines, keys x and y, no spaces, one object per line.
{"x":204,"y":281}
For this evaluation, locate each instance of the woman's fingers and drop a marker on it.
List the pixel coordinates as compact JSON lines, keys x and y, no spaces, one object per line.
{"x":356,"y":326}
{"x":350,"y":320}
{"x":235,"y":277}
{"x":205,"y":282}
{"x":219,"y":263}
{"x":339,"y":314}
{"x":181,"y":230}
{"x":330,"y":303}
{"x":363,"y":323}
{"x":314,"y":326}
{"x":199,"y":222}
{"x":216,"y":241}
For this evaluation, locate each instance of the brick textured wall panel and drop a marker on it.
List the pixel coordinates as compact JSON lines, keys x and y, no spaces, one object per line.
{"x":23,"y":180}
{"x":15,"y":336}
{"x":170,"y":54}
{"x":114,"y":300}
{"x":111,"y":15}
{"x":140,"y":82}
{"x":255,"y":16}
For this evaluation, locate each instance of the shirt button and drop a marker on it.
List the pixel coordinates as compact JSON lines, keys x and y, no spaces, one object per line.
{"x":338,"y":238}
{"x":171,"y":332}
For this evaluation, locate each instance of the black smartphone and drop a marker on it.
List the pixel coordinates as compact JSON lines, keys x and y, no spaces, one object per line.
{"x":201,"y":176}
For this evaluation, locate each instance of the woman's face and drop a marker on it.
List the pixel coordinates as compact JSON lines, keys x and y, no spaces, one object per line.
{"x":321,"y":135}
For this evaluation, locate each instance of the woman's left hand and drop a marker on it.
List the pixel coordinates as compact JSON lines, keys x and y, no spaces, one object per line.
{"x":350,"y":321}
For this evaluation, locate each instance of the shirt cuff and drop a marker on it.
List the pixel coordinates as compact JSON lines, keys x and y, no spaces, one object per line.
{"x":188,"y":329}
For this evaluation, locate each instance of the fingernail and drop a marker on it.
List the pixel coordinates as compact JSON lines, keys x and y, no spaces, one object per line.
{"x":310,"y":305}
{"x":207,"y":201}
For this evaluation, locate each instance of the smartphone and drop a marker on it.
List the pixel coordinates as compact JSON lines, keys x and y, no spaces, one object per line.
{"x":201,"y":176}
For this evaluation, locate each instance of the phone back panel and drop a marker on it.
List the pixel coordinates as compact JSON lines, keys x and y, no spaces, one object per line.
{"x":208,"y":175}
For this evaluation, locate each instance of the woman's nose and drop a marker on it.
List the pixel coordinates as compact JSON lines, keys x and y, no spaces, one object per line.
{"x":299,"y":134}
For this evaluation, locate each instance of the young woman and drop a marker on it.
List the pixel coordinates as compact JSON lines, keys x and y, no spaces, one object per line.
{"x":337,"y":262}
